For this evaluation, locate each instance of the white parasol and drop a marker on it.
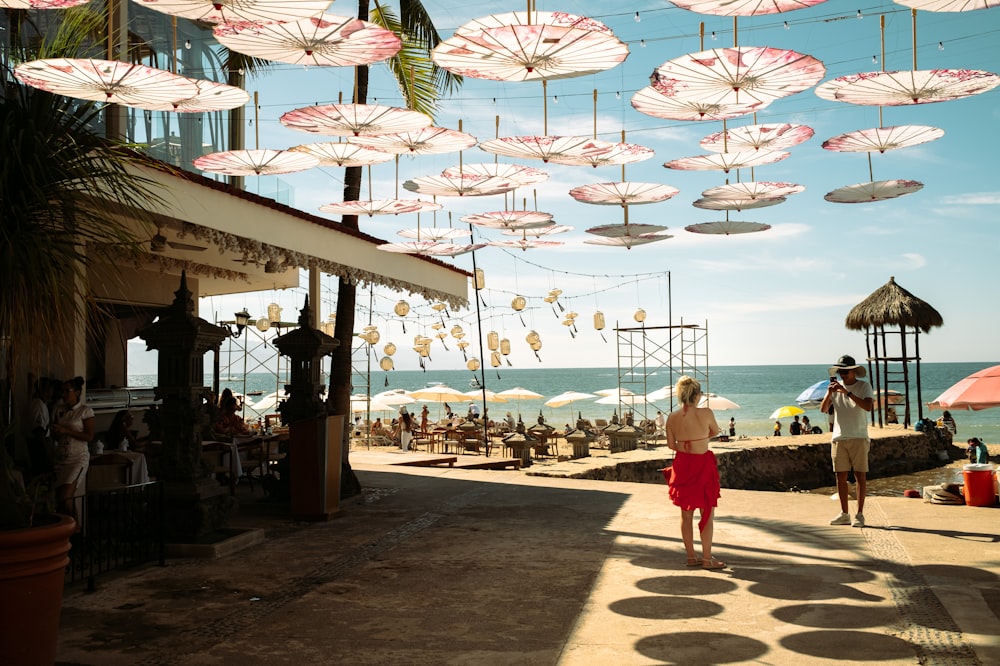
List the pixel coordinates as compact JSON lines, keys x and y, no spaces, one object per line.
{"x":627,"y":241}
{"x":354,"y":119}
{"x":237,"y":12}
{"x":717,"y":203}
{"x":879,"y":190}
{"x":753,"y":190}
{"x":727,"y":227}
{"x":652,"y":101}
{"x":372,"y":207}
{"x":525,"y":243}
{"x":619,"y":230}
{"x":424,"y":141}
{"x":467,"y":185}
{"x":906,"y":87}
{"x":560,"y":19}
{"x":617,"y":154}
{"x":727,"y":161}
{"x":434,"y":233}
{"x":263,"y":162}
{"x":948,"y":5}
{"x":744,"y":7}
{"x":881,"y":139}
{"x":717,"y":402}
{"x":41,"y":4}
{"x":549,"y":230}
{"x":525,"y":175}
{"x":211,"y":96}
{"x":776,"y":136}
{"x":342,"y":154}
{"x":509,"y":219}
{"x":546,"y":148}
{"x":623,"y":194}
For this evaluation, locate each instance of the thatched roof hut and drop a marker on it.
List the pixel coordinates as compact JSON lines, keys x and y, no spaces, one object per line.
{"x":890,"y":305}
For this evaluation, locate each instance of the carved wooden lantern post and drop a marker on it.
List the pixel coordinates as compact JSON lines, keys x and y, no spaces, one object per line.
{"x":305,"y":348}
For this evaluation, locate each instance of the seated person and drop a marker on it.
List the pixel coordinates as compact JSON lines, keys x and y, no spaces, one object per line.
{"x":119,"y":435}
{"x":230,"y":423}
{"x":377,"y":427}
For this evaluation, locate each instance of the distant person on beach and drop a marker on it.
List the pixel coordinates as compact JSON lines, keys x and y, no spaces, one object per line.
{"x":851,"y":399}
{"x":949,"y":423}
{"x":694,"y":474}
{"x":732,"y":426}
{"x":405,"y":429}
{"x":796,"y":427}
{"x":661,"y":424}
{"x":777,"y":428}
{"x":977,"y":451}
{"x":424,"y":419}
{"x":806,"y":426}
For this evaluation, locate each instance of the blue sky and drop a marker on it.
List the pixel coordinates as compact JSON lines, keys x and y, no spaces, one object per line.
{"x":775,"y":297}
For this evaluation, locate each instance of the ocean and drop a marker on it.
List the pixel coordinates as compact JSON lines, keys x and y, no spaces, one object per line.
{"x":758,"y":390}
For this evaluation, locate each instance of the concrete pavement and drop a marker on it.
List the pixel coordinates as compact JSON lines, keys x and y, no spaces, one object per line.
{"x":451,"y":566}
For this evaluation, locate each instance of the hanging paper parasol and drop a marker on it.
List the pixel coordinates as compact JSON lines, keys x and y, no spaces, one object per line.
{"x":948,"y":5}
{"x":744,"y":7}
{"x":755,"y":137}
{"x":545,"y":148}
{"x":342,"y":154}
{"x":325,"y":41}
{"x":727,"y":227}
{"x":623,"y":194}
{"x":237,"y":12}
{"x":509,"y":219}
{"x":619,"y":230}
{"x":453,"y":250}
{"x":617,"y":154}
{"x":628,"y":242}
{"x":549,"y":230}
{"x":739,"y":75}
{"x":651,"y":101}
{"x":434,"y":233}
{"x":372,"y":207}
{"x":560,"y":19}
{"x":106,"y":81}
{"x":727,"y":161}
{"x":425,"y":141}
{"x":354,"y":119}
{"x":529,"y":53}
{"x":466,"y":186}
{"x":211,"y":96}
{"x":879,"y":190}
{"x":525,"y":175}
{"x":759,"y":189}
{"x":904,"y":87}
{"x":425,"y":248}
{"x":41,"y":4}
{"x":525,"y":243}
{"x":255,"y":162}
{"x":882,"y":139}
{"x":716,"y":203}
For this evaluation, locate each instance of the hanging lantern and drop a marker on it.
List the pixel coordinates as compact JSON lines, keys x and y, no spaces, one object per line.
{"x":389,"y":349}
{"x":568,"y":322}
{"x":495,"y":359}
{"x":437,"y":326}
{"x":463,"y":345}
{"x":599,"y":320}
{"x":571,"y":315}
{"x":493,"y":340}
{"x":550,"y":298}
{"x":536,"y":345}
{"x":371,"y":336}
{"x":401,"y":309}
{"x":386,"y":363}
{"x":555,"y":292}
{"x":518,"y":303}
{"x":438,"y":307}
{"x":640,"y":315}
{"x":505,"y":346}
{"x":532,"y":337}
{"x":263,"y":324}
{"x":473,"y":364}
{"x":457,"y":332}
{"x":479,"y":279}
{"x":327,"y":327}
{"x":274,"y":312}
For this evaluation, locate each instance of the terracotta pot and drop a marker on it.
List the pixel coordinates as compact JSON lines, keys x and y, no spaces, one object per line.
{"x":32,"y":572}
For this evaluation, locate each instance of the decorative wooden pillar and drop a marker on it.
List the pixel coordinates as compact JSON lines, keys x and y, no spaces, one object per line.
{"x":305,"y":348}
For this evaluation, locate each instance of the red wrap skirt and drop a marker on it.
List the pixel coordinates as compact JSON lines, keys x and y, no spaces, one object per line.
{"x":694,"y":483}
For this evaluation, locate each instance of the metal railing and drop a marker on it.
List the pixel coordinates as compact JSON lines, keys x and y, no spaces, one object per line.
{"x":121,"y":528}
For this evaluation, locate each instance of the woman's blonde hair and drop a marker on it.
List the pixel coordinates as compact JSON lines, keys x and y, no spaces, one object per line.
{"x":687,"y":391}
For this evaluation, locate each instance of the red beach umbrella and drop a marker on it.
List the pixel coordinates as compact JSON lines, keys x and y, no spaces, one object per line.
{"x":980,"y":390}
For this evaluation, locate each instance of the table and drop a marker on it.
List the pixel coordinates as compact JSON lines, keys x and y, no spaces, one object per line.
{"x":138,"y":471}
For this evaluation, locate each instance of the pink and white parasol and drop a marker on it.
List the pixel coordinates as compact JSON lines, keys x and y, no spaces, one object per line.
{"x":652,"y":102}
{"x":559,"y":19}
{"x":211,"y":96}
{"x":106,"y":81}
{"x":727,"y":227}
{"x":619,"y":230}
{"x":623,"y":193}
{"x":434,"y":233}
{"x":744,"y":7}
{"x":454,"y":249}
{"x":739,"y":75}
{"x":41,"y":4}
{"x":755,"y":137}
{"x":255,"y":162}
{"x":727,"y":161}
{"x":529,"y":52}
{"x":372,"y":207}
{"x":879,"y":190}
{"x":905,"y":87}
{"x":546,"y":148}
{"x":236,"y":12}
{"x":525,"y":175}
{"x":551,"y":229}
{"x":424,"y":141}
{"x":426,"y":248}
{"x":628,"y":242}
{"x":716,"y":203}
{"x":760,"y":189}
{"x":881,"y":139}
{"x":509,"y":219}
{"x":468,"y":185}
{"x":949,"y":5}
{"x":525,"y":243}
{"x":617,"y":154}
{"x":340,"y":154}
{"x":326,"y":41}
{"x":354,"y":119}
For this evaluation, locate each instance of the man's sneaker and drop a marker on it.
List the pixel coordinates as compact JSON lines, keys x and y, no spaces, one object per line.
{"x":842,"y":519}
{"x":859,"y":520}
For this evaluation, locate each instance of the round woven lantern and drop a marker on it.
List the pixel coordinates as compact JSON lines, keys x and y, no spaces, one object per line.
{"x":401,"y":309}
{"x":473,"y":364}
{"x":386,"y":363}
{"x":389,"y":349}
{"x":263,"y":324}
{"x":518,"y":303}
{"x":640,"y":315}
{"x":532,"y":337}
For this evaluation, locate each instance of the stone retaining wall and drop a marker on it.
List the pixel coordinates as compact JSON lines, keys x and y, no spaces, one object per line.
{"x":797,"y":466}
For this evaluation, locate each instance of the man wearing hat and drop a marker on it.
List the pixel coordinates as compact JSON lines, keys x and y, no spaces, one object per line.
{"x":851,"y":400}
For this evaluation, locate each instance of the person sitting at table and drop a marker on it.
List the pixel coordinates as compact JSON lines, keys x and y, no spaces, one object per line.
{"x":377,"y":427}
{"x":230,"y":423}
{"x":119,"y":434}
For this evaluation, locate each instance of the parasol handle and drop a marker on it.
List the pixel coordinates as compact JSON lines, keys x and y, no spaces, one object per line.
{"x":913,"y":20}
{"x":256,"y":120}
{"x":545,"y":107}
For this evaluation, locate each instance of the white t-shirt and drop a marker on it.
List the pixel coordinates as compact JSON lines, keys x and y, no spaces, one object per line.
{"x":849,"y":420}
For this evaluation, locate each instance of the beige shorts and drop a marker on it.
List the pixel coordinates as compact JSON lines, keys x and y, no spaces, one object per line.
{"x":850,"y":454}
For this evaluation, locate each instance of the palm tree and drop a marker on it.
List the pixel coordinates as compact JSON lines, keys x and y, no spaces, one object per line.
{"x":421,"y":83}
{"x":62,"y":205}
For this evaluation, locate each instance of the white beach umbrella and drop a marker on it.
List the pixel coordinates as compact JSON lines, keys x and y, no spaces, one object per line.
{"x":566,"y":398}
{"x":394,"y":397}
{"x":519,"y":394}
{"x":630,"y":400}
{"x":614,"y":391}
{"x":491,"y":396}
{"x":717,"y":402}
{"x":438,"y":393}
{"x":660,"y":394}
{"x":364,"y":403}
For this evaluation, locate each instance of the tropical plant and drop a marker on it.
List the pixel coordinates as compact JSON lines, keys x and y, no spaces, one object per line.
{"x":63,"y":202}
{"x":421,"y":83}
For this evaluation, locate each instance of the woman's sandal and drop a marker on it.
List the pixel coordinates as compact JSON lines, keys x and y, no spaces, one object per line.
{"x":713,"y":564}
{"x":694,"y":562}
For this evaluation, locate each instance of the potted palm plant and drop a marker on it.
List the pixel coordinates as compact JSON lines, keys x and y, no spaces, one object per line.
{"x":61,"y":205}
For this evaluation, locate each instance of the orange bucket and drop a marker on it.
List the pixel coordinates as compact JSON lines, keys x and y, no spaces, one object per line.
{"x":978,"y":488}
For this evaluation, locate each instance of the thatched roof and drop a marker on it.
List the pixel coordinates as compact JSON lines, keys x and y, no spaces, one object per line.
{"x":890,"y":304}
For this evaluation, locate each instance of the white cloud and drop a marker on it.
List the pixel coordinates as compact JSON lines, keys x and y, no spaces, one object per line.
{"x":972,"y":199}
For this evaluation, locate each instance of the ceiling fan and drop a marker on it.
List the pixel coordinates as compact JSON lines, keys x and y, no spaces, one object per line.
{"x":159,"y":243}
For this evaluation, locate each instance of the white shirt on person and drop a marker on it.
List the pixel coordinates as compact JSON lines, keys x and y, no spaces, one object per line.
{"x":849,"y":420}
